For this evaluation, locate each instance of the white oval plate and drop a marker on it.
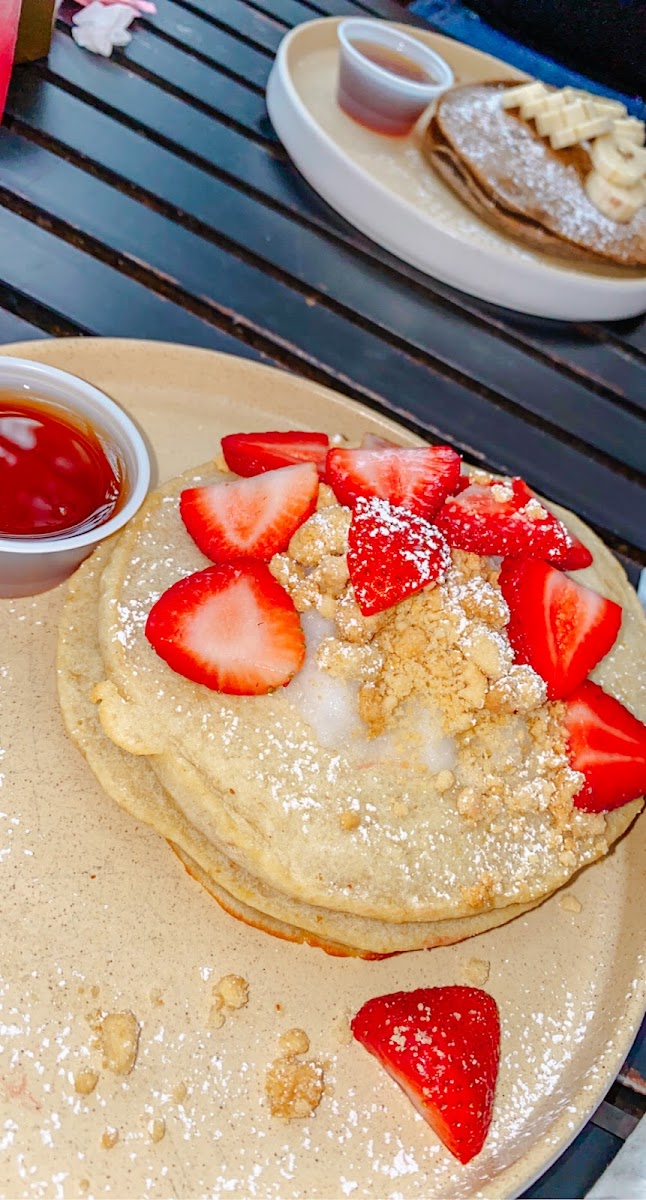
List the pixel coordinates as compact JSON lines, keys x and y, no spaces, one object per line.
{"x":386,"y":189}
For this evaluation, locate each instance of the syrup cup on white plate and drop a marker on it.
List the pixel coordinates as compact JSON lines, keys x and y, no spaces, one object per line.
{"x":377,"y":96}
{"x":35,"y":563}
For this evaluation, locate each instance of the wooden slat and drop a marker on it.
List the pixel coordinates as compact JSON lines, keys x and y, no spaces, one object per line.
{"x":15,"y":329}
{"x":182,"y":23}
{"x":171,"y":67}
{"x":97,"y":298}
{"x":389,"y":10}
{"x":632,"y":334}
{"x":335,"y":272}
{"x":346,"y":353}
{"x":600,"y":362}
{"x":192,"y":132}
{"x":222,"y":50}
{"x":287,"y":12}
{"x":197,"y":81}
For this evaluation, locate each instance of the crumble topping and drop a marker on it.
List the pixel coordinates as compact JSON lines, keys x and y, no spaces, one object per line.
{"x":119,"y":1034}
{"x":110,"y":1138}
{"x":85,"y":1082}
{"x":233,"y":991}
{"x":436,"y":675}
{"x":476,"y":972}
{"x":157,"y":1129}
{"x":294,"y":1088}
{"x":229,"y":994}
{"x":294,"y":1041}
{"x":569,"y":903}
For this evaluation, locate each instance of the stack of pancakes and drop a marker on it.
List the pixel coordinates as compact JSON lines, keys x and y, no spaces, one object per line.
{"x":249,"y":797}
{"x":501,"y":168}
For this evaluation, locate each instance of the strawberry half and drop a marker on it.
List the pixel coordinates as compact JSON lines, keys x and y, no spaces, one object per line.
{"x":250,"y":518}
{"x":419,"y":480}
{"x":504,"y":517}
{"x":561,"y":628}
{"x":232,"y":628}
{"x":252,"y":453}
{"x":442,"y":1046}
{"x":392,"y":554}
{"x":607,"y":744}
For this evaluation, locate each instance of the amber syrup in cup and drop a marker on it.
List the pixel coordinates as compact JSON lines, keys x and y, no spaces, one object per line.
{"x":392,"y":60}
{"x":57,"y":474}
{"x":356,"y":96}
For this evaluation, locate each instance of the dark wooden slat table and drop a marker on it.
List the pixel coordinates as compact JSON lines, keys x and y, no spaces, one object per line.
{"x":148,"y":196}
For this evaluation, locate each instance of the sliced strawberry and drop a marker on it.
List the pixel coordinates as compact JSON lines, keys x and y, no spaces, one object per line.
{"x":250,"y":518}
{"x":561,"y":628}
{"x":252,"y":453}
{"x":419,"y":480}
{"x":392,"y":554}
{"x":607,"y":744}
{"x":504,"y":517}
{"x":442,"y":1046}
{"x":463,"y":482}
{"x":232,"y":628}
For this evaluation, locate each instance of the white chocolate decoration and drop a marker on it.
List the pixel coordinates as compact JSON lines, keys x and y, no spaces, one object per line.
{"x":619,"y":161}
{"x":571,"y":117}
{"x":618,"y":203}
{"x":630,"y":130}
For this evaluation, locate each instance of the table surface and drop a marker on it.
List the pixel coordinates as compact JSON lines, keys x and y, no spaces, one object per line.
{"x":147,"y":196}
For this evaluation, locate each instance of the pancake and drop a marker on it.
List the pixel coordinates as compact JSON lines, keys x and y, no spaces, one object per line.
{"x":500,"y":167}
{"x":130,"y":781}
{"x":247,"y":789}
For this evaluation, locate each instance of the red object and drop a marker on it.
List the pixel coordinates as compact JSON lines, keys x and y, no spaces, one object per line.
{"x":55,"y":473}
{"x":232,"y":628}
{"x":504,"y":517}
{"x":250,"y":518}
{"x":419,"y":480}
{"x":442,"y":1046}
{"x":608,"y":745}
{"x":463,"y":482}
{"x":561,"y":628}
{"x":9,"y":20}
{"x":252,"y":453}
{"x":392,"y":554}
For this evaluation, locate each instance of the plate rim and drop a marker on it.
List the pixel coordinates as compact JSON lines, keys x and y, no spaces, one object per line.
{"x":509,"y":1182}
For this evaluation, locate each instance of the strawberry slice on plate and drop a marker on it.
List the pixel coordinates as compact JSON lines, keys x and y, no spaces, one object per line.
{"x":250,"y":518}
{"x":442,"y":1046}
{"x":392,"y":554}
{"x":607,"y":744}
{"x":504,"y":517}
{"x":232,"y":628}
{"x":561,"y":628}
{"x":419,"y":479}
{"x":252,"y":453}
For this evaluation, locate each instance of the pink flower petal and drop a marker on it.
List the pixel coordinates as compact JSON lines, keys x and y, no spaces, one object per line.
{"x":143,"y":6}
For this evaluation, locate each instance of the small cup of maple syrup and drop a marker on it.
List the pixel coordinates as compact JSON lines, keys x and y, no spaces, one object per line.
{"x":387,"y":78}
{"x":73,"y":469}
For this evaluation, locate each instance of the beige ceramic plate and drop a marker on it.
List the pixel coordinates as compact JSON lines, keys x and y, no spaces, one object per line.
{"x":98,"y":913}
{"x":385,"y":187}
